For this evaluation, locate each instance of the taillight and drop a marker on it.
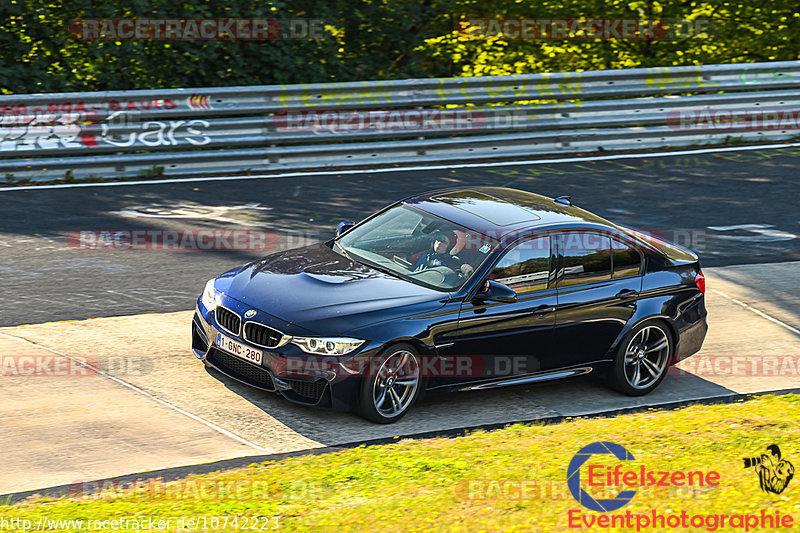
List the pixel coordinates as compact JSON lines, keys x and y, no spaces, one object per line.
{"x":700,"y":281}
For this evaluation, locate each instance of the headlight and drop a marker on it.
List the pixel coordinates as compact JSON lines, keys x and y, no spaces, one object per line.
{"x":327,"y":345}
{"x":210,"y":296}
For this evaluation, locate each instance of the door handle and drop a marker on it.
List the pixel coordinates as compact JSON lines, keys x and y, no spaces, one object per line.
{"x":626,"y":292}
{"x":543,"y":309}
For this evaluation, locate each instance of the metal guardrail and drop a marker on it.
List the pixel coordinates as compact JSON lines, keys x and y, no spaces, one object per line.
{"x":330,"y":125}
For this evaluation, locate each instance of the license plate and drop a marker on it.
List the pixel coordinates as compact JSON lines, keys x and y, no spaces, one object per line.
{"x":240,"y":350}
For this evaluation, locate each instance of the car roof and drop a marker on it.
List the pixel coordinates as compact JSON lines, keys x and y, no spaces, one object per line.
{"x":500,"y":210}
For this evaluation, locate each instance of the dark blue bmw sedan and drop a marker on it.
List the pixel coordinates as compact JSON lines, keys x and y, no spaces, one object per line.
{"x":459,"y":289}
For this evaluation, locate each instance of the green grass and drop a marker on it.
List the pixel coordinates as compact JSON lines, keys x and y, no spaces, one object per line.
{"x":424,"y":485}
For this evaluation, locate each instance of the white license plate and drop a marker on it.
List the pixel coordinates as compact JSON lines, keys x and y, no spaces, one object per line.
{"x":240,"y":350}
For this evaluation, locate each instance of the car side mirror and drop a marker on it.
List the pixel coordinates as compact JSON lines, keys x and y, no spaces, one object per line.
{"x":344,"y":226}
{"x":497,"y":292}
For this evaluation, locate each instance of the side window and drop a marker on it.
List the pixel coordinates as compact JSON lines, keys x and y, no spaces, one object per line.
{"x":526,"y":266}
{"x":587,"y":257}
{"x":627,"y":261}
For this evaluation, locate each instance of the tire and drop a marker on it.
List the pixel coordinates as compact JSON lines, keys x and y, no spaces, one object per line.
{"x":392,"y":386}
{"x":642,"y":359}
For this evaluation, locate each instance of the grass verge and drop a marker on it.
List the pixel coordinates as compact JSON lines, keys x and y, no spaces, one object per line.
{"x":513,"y":479}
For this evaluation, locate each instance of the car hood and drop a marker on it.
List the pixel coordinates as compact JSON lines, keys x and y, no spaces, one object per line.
{"x":325,"y":293}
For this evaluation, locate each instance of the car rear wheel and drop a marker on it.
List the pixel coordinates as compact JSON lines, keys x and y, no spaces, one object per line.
{"x":642,"y":359}
{"x":389,"y":391}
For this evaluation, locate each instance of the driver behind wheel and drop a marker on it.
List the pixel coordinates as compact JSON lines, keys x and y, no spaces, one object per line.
{"x":438,"y":255}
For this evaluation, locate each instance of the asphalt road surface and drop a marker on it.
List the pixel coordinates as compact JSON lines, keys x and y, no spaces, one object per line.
{"x":730,"y":207}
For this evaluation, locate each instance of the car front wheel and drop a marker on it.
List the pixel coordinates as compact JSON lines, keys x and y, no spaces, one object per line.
{"x":642,"y":359}
{"x":392,"y":386}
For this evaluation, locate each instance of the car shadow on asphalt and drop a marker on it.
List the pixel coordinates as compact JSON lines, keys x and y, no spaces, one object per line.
{"x":574,"y":397}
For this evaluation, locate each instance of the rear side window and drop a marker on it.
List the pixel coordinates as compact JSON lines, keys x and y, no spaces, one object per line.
{"x":627,"y":260}
{"x":526,"y":266}
{"x":587,"y":257}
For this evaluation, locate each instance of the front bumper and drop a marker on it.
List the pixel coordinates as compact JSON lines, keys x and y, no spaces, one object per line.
{"x":298,"y":377}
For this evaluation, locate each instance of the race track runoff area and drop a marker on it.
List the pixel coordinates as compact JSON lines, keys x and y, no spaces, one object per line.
{"x":155,"y":406}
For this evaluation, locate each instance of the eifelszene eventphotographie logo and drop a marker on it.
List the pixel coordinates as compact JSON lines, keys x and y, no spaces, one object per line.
{"x":604,"y":477}
{"x":774,"y":473}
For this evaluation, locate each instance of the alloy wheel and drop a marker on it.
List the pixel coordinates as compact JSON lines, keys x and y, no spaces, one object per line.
{"x":396,"y":383}
{"x":646,"y":357}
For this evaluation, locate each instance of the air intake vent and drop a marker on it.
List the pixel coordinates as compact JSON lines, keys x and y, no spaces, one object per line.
{"x":241,"y":369}
{"x":261,"y":335}
{"x":228,"y":320}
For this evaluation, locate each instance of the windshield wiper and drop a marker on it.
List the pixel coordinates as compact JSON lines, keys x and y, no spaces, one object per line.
{"x":344,"y":252}
{"x":383,"y":269}
{"x":370,"y":264}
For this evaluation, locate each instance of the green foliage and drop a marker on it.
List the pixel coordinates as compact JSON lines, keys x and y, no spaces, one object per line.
{"x":366,"y":39}
{"x":152,"y":172}
{"x":738,"y":32}
{"x":38,"y":54}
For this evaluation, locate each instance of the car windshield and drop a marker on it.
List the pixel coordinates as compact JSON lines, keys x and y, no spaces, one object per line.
{"x":419,"y":247}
